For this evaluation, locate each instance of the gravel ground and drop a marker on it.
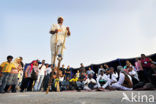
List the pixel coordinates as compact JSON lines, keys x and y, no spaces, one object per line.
{"x":107,"y":97}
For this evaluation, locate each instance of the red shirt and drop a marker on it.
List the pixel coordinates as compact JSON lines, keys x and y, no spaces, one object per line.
{"x":146,"y":63}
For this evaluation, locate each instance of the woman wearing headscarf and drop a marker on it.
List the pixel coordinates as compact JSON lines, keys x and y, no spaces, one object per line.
{"x":30,"y":75}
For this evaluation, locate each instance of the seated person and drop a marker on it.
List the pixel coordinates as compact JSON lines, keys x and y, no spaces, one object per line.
{"x":124,"y":82}
{"x":80,"y":82}
{"x":134,"y":75}
{"x":72,"y":82}
{"x":90,"y":71}
{"x":78,"y":74}
{"x":102,"y":81}
{"x":112,"y":75}
{"x":101,"y":68}
{"x":65,"y":84}
{"x":89,"y":83}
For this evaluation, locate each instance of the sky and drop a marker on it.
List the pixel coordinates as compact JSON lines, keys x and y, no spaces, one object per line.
{"x":101,"y":30}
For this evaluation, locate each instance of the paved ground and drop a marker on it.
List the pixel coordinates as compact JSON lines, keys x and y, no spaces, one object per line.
{"x":108,"y":97}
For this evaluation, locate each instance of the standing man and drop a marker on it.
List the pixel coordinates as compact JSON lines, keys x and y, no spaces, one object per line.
{"x":41,"y":74}
{"x":5,"y":69}
{"x":58,"y":31}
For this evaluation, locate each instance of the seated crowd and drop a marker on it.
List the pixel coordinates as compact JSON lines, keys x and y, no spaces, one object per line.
{"x":15,"y":76}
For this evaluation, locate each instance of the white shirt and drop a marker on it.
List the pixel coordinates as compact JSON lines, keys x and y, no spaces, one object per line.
{"x":61,"y":79}
{"x":42,"y":70}
{"x":134,"y":73}
{"x":61,"y":33}
{"x":122,"y":78}
{"x":100,"y":77}
{"x":87,"y":81}
{"x":48,"y":70}
{"x":100,"y":70}
{"x":114,"y":77}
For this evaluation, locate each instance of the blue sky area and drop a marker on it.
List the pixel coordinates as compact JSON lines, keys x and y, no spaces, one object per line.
{"x":101,"y":30}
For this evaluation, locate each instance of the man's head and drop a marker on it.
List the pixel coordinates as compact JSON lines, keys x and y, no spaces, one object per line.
{"x":111,"y":70}
{"x":90,"y":76}
{"x":81,"y":65}
{"x":128,"y":63}
{"x":106,"y":66}
{"x":52,"y":66}
{"x":130,"y":68}
{"x":101,"y":66}
{"x":35,"y":63}
{"x":89,"y":68}
{"x":68,"y":67}
{"x":143,"y":56}
{"x":63,"y":66}
{"x":47,"y":65}
{"x":9,"y":58}
{"x":43,"y":61}
{"x":60,"y":20}
{"x":101,"y":72}
{"x":67,"y":78}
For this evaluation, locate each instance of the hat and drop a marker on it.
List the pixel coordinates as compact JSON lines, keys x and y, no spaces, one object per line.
{"x":60,"y":17}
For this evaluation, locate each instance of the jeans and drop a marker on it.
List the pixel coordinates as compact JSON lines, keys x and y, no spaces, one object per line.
{"x":38,"y":82}
{"x":4,"y":80}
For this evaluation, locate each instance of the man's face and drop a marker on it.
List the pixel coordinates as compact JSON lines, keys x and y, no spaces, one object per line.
{"x":10,"y":59}
{"x":47,"y":66}
{"x":43,"y":62}
{"x":111,"y":70}
{"x":102,"y":73}
{"x":36,"y":63}
{"x":60,"y":20}
{"x":130,"y":69}
{"x":90,"y":76}
{"x":143,"y":56}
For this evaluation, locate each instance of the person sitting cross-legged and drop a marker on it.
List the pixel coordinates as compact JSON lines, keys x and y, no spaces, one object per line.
{"x":65,"y":84}
{"x":73,"y":82}
{"x":89,"y":83}
{"x":102,"y":81}
{"x":81,"y":79}
{"x":124,"y":82}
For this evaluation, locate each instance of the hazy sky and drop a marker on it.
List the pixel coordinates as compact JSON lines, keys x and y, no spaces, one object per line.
{"x":101,"y":30}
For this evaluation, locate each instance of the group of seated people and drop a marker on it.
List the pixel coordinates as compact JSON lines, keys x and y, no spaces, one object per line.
{"x":36,"y":76}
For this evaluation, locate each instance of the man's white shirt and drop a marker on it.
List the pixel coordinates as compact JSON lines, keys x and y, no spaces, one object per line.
{"x":100,"y":77}
{"x":61,"y":32}
{"x":42,"y":70}
{"x":87,"y":81}
{"x":122,"y":78}
{"x":135,"y":74}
